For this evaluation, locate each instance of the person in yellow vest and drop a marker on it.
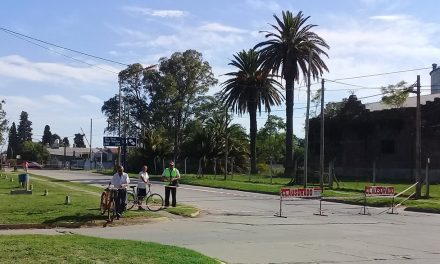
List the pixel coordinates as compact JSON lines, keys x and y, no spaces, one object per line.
{"x":172,"y":176}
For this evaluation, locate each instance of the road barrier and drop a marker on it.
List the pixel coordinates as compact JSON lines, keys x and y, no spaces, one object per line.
{"x":406,"y":199}
{"x":310,"y":193}
{"x":377,"y":191}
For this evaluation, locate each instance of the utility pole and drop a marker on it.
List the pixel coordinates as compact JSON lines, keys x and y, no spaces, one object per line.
{"x":306,"y":145}
{"x":119,"y":123}
{"x":321,"y":149}
{"x":418,"y":143}
{"x":90,"y":145}
{"x":226,"y":143}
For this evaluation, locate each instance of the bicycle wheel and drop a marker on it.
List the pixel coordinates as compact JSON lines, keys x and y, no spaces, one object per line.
{"x":111,"y":212}
{"x":103,"y":204}
{"x":131,"y":201}
{"x":154,"y":202}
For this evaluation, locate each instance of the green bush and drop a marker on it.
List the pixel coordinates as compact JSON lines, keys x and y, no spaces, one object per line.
{"x":263,"y":168}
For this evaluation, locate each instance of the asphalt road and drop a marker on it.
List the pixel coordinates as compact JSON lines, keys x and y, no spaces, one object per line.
{"x":240,"y":227}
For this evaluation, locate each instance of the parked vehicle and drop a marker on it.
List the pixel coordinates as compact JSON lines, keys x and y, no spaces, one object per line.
{"x":34,"y":165}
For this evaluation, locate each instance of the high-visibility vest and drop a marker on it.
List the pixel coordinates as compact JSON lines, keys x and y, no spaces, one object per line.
{"x":170,"y":173}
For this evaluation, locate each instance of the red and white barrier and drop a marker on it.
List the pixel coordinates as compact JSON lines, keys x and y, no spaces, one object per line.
{"x":286,"y":193}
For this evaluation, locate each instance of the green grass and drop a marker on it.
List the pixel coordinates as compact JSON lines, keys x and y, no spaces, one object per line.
{"x":183,"y":210}
{"x":83,"y":249}
{"x":51,"y":211}
{"x":349,"y":188}
{"x":261,"y":184}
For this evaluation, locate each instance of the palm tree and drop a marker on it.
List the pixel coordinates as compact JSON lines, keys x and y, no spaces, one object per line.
{"x":247,"y":89}
{"x":288,"y":50}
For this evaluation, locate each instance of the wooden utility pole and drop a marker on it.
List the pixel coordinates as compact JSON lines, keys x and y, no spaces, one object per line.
{"x":418,"y":143}
{"x":226,"y":143}
{"x":306,"y":145}
{"x":119,"y":122}
{"x":321,"y":143}
{"x":90,"y":143}
{"x":427,"y":178}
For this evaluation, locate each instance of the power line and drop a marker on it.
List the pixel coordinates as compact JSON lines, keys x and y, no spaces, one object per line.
{"x":61,"y":47}
{"x":62,"y":54}
{"x":380,"y":74}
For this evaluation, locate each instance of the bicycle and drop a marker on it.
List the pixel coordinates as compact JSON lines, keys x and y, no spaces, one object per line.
{"x":108,"y":203}
{"x":153,"y":201}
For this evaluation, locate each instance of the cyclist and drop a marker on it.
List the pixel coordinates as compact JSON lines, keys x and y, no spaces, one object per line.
{"x":121,"y":181}
{"x":143,"y":180}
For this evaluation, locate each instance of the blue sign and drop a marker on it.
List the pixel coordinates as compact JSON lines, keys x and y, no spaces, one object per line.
{"x":130,"y":142}
{"x":112,"y":142}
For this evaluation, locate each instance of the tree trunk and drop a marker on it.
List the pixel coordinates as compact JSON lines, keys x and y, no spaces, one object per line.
{"x":289,"y":127}
{"x":253,"y":134}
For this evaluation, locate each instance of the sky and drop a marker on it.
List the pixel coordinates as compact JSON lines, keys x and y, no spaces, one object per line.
{"x":66,"y":90}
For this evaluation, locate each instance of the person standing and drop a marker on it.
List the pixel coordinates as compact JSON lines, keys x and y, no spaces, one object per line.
{"x":143,"y":180}
{"x":172,"y":176}
{"x":121,"y":181}
{"x":25,"y":166}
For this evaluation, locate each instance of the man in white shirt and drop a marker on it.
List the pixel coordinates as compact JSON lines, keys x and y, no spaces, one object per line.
{"x":121,"y":181}
{"x":142,"y":184}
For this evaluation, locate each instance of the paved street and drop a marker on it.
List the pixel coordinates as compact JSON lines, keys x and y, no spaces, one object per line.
{"x":240,"y":227}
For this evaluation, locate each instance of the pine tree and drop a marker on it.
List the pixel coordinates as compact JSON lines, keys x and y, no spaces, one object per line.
{"x":24,"y":129}
{"x":47,"y":136}
{"x":3,"y":122}
{"x":79,"y":141}
{"x":66,"y":142}
{"x":13,"y":146}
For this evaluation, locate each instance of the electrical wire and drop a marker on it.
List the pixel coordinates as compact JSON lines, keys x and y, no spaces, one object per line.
{"x":62,"y":54}
{"x":61,"y":47}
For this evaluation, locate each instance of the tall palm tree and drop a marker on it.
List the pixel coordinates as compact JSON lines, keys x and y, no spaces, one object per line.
{"x":289,"y":48}
{"x":248,"y":89}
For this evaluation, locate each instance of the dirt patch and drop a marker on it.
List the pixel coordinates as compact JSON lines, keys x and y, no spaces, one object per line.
{"x":121,"y":222}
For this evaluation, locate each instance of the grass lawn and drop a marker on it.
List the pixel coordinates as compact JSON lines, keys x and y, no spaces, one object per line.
{"x":50,"y":210}
{"x":347,"y":189}
{"x":83,"y":249}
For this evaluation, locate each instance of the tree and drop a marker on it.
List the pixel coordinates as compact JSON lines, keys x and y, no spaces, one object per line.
{"x":271,"y":139}
{"x":47,"y":136}
{"x":248,"y":89}
{"x":78,"y":140}
{"x":24,"y":129}
{"x":288,"y":50}
{"x":3,"y":122}
{"x":34,"y":151}
{"x":66,"y":142}
{"x":111,"y":110}
{"x":55,"y":137}
{"x":13,"y":145}
{"x":395,"y":95}
{"x":175,"y":90}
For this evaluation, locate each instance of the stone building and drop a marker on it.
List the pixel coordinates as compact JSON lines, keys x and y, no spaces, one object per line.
{"x":360,"y":135}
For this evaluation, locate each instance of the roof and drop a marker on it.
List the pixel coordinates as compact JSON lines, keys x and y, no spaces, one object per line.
{"x":410,"y":102}
{"x":70,"y":150}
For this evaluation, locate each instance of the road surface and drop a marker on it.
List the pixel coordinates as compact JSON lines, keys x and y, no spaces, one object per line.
{"x":240,"y":227}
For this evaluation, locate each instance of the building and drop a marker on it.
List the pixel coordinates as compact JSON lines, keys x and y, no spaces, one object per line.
{"x":362,"y":136}
{"x":68,"y":157}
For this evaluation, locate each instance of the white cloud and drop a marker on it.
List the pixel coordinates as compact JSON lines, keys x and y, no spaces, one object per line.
{"x":57,"y":99}
{"x":154,"y":13}
{"x":390,"y":17}
{"x":92,"y":99}
{"x":18,"y":67}
{"x":217,"y":27}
